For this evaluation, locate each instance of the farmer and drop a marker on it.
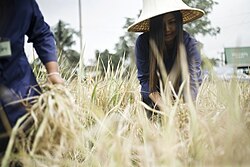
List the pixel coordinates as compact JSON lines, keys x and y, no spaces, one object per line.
{"x":17,"y":80}
{"x":164,"y":41}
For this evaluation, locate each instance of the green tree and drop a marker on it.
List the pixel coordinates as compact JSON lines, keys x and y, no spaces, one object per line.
{"x":67,"y":57}
{"x":64,"y":36}
{"x":128,"y":40}
{"x":107,"y":60}
{"x":124,"y":48}
{"x":202,"y":25}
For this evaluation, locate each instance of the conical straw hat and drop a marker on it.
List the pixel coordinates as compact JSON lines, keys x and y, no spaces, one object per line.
{"x":152,"y":8}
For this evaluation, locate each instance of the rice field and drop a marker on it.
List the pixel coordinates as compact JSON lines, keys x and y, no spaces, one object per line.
{"x":101,"y":122}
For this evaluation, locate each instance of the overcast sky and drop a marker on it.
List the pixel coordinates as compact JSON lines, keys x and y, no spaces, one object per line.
{"x":103,"y":21}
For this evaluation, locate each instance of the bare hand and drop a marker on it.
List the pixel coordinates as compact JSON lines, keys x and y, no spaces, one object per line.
{"x":156,"y":98}
{"x":55,"y":79}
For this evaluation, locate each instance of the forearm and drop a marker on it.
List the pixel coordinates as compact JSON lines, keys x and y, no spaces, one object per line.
{"x":53,"y":73}
{"x":52,"y":67}
{"x":156,"y":98}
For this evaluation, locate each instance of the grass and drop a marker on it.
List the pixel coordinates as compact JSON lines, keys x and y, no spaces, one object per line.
{"x":101,"y":121}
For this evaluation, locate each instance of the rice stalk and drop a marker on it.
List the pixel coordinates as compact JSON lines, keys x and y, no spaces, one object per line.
{"x":109,"y":126}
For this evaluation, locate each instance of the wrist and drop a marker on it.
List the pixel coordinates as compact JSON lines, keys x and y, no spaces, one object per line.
{"x":53,"y":73}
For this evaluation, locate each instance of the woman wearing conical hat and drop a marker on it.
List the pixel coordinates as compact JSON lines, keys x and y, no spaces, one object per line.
{"x":165,"y":49}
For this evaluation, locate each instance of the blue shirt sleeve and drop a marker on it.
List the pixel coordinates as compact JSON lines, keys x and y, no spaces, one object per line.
{"x":194,"y":63}
{"x":40,"y":35}
{"x":142,"y":63}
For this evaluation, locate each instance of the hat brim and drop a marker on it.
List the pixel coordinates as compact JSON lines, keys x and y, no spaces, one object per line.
{"x":188,"y":15}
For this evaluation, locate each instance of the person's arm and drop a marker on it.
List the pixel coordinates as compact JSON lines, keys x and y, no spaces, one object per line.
{"x":142,"y":64}
{"x":156,"y":98}
{"x":40,"y":35}
{"x":194,"y":65}
{"x":53,"y":73}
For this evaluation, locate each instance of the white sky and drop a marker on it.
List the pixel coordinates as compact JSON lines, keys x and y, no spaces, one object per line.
{"x":103,"y":21}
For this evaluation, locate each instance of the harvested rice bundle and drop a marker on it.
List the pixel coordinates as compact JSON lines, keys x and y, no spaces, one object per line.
{"x":56,"y":129}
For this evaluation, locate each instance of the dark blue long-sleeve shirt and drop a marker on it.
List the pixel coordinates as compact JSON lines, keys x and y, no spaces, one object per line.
{"x":142,"y":63}
{"x":15,"y":71}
